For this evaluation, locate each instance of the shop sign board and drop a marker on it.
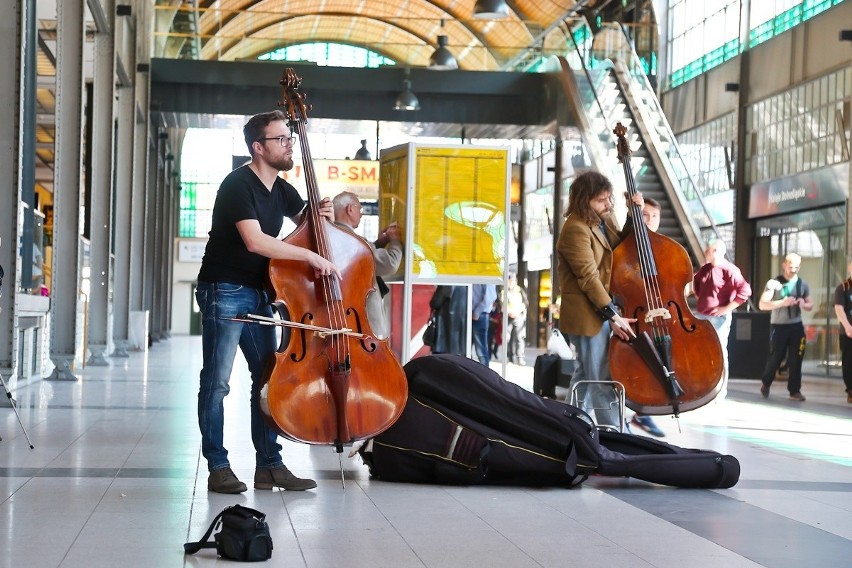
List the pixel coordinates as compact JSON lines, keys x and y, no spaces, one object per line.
{"x":806,"y":190}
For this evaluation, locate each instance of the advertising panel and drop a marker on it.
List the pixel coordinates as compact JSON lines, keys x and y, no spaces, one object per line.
{"x":451,"y":204}
{"x":460,"y":208}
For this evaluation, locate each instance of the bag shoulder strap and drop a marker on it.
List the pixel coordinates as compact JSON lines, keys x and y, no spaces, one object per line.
{"x":253,"y":512}
{"x":193,"y":547}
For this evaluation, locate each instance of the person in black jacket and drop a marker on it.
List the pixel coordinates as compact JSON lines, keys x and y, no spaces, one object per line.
{"x":449,"y":304}
{"x":843,"y":310}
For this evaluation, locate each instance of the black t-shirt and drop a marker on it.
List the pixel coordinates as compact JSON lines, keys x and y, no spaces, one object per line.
{"x":243,"y":196}
{"x":843,"y":297}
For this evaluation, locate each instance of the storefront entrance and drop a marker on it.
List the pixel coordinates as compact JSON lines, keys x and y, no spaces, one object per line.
{"x":820,"y":241}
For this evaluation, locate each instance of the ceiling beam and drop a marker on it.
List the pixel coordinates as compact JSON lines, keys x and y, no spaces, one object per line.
{"x":246,"y":88}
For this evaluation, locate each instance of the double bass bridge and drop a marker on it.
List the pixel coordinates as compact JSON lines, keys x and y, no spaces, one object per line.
{"x":657,"y":313}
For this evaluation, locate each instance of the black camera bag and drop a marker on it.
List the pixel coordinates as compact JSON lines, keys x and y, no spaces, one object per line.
{"x":244,"y":536}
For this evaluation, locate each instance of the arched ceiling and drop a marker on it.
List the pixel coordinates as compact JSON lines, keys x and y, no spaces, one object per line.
{"x":404,"y":30}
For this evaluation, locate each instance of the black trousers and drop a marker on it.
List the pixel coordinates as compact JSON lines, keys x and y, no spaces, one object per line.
{"x":846,"y":358}
{"x":786,"y":340}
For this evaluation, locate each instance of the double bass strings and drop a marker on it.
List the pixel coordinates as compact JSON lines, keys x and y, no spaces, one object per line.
{"x":653,"y":295}
{"x":330,"y":284}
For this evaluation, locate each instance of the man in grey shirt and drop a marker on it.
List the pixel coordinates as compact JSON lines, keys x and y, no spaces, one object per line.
{"x":786,"y":295}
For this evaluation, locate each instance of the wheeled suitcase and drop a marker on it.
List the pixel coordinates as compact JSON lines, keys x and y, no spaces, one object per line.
{"x":545,"y":375}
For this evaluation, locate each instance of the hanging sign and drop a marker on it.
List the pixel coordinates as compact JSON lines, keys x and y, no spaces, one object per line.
{"x":361,"y":177}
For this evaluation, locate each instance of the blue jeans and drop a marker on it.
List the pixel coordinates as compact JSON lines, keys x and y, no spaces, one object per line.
{"x":220,"y":339}
{"x":593,"y":365}
{"x":722,"y":325}
{"x":479,"y":328}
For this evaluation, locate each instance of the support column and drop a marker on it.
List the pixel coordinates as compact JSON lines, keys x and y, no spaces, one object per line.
{"x":125,"y":37}
{"x":11,"y":15}
{"x":744,"y":228}
{"x":138,"y":204}
{"x":142,"y":157}
{"x":849,"y":185}
{"x":169,"y":215}
{"x":152,"y":188}
{"x":67,"y":186}
{"x":158,"y":226}
{"x":101,"y":214}
{"x":556,"y":222}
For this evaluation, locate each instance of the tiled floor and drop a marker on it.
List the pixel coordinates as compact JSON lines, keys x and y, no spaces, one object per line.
{"x":116,"y":479}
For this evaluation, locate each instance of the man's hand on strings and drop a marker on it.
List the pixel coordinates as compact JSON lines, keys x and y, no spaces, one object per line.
{"x":322,"y":267}
{"x":326,"y":209}
{"x":621,"y":327}
{"x":637,"y":199}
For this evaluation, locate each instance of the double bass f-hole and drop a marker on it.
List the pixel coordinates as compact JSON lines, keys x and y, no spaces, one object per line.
{"x":687,"y":328}
{"x":369,"y":346}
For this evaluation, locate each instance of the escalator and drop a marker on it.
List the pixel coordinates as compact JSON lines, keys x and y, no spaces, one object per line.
{"x":604,"y":93}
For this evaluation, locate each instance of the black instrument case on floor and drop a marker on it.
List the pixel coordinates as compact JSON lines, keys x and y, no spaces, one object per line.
{"x":464,"y":424}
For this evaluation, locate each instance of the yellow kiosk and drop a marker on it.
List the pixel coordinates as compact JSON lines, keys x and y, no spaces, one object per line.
{"x":452,"y":204}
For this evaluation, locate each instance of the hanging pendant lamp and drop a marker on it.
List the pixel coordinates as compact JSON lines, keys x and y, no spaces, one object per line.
{"x":406,"y":100}
{"x":442,"y":59}
{"x":490,"y":9}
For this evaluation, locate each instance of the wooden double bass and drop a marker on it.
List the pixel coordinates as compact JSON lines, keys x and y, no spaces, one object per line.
{"x":675,"y":362}
{"x":332,"y":382}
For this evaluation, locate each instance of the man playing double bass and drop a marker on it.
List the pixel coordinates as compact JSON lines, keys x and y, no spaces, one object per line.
{"x":587,"y":315}
{"x":248,"y":214}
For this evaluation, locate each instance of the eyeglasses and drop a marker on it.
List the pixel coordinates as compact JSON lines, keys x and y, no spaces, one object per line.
{"x":291,"y":138}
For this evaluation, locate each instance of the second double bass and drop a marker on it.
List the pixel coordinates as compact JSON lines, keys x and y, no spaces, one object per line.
{"x":333,"y":382}
{"x":675,"y":362}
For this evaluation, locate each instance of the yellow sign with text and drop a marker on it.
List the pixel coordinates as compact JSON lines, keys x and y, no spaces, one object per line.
{"x":361,"y":177}
{"x":460,"y":211}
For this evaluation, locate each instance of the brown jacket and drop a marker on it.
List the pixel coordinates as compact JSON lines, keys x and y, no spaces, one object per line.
{"x":584,"y":268}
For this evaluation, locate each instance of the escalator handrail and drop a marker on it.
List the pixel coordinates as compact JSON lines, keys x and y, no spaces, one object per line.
{"x":637,"y":74}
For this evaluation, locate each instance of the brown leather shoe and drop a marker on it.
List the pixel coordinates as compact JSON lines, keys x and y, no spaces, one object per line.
{"x":281,"y":477}
{"x":797,"y":396}
{"x":849,"y":397}
{"x":764,"y":391}
{"x":224,"y":481}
